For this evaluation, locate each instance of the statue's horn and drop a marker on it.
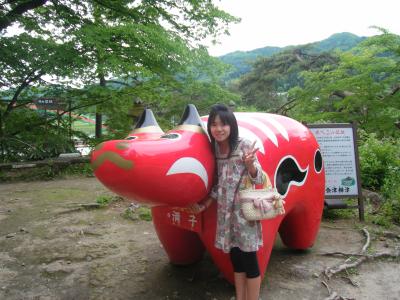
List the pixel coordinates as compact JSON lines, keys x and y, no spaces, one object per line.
{"x":190,"y":116}
{"x":191,"y":120}
{"x":147,"y":123}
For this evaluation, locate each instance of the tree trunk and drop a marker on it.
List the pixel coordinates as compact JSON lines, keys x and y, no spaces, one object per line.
{"x":98,"y":115}
{"x":98,"y":125}
{"x":2,"y":150}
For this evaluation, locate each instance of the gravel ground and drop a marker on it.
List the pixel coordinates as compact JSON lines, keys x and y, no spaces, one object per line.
{"x":53,"y":248}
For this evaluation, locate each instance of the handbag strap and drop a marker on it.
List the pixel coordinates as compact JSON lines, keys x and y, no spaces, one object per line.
{"x":240,"y":180}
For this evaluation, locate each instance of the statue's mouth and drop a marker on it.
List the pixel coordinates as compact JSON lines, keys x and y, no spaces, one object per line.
{"x":114,"y":158}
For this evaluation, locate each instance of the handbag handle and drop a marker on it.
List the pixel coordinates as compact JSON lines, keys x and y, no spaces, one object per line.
{"x":265,"y":185}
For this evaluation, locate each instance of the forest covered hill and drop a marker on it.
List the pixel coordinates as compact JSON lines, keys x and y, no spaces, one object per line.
{"x":242,"y":60}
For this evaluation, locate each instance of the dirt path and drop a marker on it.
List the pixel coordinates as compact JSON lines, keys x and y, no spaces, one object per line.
{"x":49,"y":253}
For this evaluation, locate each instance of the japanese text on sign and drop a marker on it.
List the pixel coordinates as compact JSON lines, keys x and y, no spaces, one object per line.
{"x":49,"y":103}
{"x":338,"y":153}
{"x":184,"y":219}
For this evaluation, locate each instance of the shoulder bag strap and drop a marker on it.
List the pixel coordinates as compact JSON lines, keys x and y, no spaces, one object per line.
{"x":240,"y":180}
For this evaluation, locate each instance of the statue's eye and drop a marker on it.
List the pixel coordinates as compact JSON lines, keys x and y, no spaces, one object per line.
{"x":318,"y":161}
{"x":171,"y":136}
{"x":131,"y":137}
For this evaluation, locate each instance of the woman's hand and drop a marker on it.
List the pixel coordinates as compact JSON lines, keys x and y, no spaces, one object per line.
{"x":195,"y":208}
{"x":249,"y":158}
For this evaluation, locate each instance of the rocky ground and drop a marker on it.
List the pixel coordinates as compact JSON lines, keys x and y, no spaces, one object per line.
{"x":52,"y":247}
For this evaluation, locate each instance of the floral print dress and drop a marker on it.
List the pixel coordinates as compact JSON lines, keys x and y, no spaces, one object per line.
{"x":232,"y":229}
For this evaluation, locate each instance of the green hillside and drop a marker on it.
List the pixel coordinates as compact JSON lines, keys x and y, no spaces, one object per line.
{"x":342,"y":41}
{"x":242,"y":60}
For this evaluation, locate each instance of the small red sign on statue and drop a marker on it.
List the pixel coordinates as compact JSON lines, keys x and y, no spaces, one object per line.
{"x":180,"y":218}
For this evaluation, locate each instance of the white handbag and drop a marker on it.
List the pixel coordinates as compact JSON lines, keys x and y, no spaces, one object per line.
{"x":260,"y":204}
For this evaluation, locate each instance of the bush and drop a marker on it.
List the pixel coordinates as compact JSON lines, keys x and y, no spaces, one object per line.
{"x":136,"y":213}
{"x":391,"y":191}
{"x":377,"y":160}
{"x":380,"y":171}
{"x":106,"y":200}
{"x":84,"y":169}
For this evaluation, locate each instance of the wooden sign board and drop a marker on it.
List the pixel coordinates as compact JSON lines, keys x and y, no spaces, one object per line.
{"x":338,"y":145}
{"x":50,"y":104}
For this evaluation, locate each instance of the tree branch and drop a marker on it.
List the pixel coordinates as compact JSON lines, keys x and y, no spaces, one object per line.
{"x":333,"y":295}
{"x":118,"y":82}
{"x":350,"y":262}
{"x":17,"y":11}
{"x":367,"y":242}
{"x":395,"y":90}
{"x":341,"y":94}
{"x":120,"y":9}
{"x":283,"y":109}
{"x":23,"y":104}
{"x":362,"y":256}
{"x":19,"y":90}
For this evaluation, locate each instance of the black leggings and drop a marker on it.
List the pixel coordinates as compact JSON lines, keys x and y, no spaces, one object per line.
{"x":245,"y":262}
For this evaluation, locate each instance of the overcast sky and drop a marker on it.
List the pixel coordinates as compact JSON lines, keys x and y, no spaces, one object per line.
{"x":294,"y":22}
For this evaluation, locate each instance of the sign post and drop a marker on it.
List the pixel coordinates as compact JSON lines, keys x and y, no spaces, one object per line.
{"x":50,"y":104}
{"x":338,"y":144}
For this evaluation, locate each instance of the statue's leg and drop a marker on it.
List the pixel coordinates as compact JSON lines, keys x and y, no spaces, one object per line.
{"x":301,"y":224}
{"x":182,"y":246}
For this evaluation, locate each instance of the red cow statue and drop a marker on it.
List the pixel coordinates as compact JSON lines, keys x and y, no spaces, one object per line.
{"x":174,"y":169}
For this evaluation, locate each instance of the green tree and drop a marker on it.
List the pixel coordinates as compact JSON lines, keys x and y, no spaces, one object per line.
{"x":363,"y":87}
{"x":266,"y":85}
{"x":93,"y":42}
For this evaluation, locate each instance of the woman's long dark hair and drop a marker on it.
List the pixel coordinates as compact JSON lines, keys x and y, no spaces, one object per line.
{"x":228,"y":118}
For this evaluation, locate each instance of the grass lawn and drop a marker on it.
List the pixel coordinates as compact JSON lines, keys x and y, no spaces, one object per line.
{"x":85,"y":127}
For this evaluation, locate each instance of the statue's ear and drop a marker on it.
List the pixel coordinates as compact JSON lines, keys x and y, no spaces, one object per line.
{"x":191,"y":120}
{"x":190,"y":116}
{"x":147,"y":122}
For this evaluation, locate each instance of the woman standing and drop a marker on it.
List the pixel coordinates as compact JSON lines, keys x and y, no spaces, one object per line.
{"x":234,"y":235}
